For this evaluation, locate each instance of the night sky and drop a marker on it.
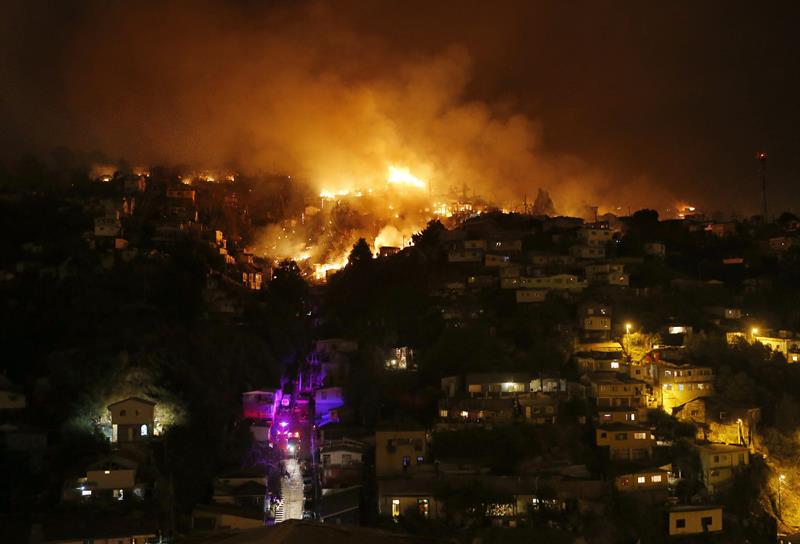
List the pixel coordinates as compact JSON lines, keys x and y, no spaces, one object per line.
{"x":636,"y":103}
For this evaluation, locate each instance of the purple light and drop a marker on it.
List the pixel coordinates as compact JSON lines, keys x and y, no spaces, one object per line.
{"x":283,"y":423}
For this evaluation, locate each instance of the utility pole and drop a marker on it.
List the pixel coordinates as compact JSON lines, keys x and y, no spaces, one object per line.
{"x":762,"y":159}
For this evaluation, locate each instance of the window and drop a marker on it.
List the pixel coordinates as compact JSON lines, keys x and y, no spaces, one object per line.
{"x":420,"y":459}
{"x":655,"y":479}
{"x":614,"y":364}
{"x":326,"y":459}
{"x":442,"y":413}
{"x":693,"y":413}
{"x":603,"y":435}
{"x":347,"y":458}
{"x":640,"y":436}
{"x":680,"y":387}
{"x":641,"y":480}
{"x":143,"y":430}
{"x":633,"y":417}
{"x":621,"y":436}
{"x":716,"y":458}
{"x":123,"y":412}
{"x":406,"y":462}
{"x":705,"y":521}
{"x":423,"y":505}
{"x":680,"y":523}
{"x":395,"y":508}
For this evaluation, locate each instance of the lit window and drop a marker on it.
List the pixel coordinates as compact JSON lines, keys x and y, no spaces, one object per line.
{"x":395,"y":508}
{"x":442,"y":413}
{"x":633,"y":417}
{"x":143,"y":430}
{"x":655,"y":479}
{"x":640,"y":436}
{"x":614,"y":364}
{"x":106,"y":472}
{"x":464,"y":413}
{"x":641,"y":479}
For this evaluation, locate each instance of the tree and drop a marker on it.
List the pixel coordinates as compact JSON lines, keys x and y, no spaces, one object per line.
{"x":428,"y":238}
{"x":361,"y":254}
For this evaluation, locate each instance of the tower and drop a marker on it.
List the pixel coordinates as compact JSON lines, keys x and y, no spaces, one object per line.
{"x":762,"y":159}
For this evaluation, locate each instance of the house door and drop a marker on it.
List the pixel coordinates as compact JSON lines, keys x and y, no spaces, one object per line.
{"x":130,"y":434}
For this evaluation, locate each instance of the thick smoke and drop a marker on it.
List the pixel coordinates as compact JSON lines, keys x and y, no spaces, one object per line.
{"x":291,"y":88}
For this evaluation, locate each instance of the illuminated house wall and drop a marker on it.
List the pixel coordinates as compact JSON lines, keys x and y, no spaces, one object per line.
{"x":132,"y":419}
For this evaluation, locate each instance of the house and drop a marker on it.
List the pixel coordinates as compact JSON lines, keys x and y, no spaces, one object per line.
{"x":587,"y":252}
{"x":465,"y":256}
{"x":22,"y":438}
{"x":720,"y":421}
{"x":218,"y":517}
{"x":107,"y":227}
{"x":110,"y":477}
{"x":557,"y":282}
{"x":259,"y":406}
{"x":606,"y":274}
{"x":400,"y":450}
{"x":618,"y":414}
{"x":780,"y":244}
{"x":500,"y":398}
{"x":615,"y":390}
{"x":595,"y":321}
{"x":11,"y":396}
{"x":608,"y":361}
{"x":494,"y":384}
{"x":506,"y":246}
{"x":132,"y":420}
{"x":720,"y":462}
{"x":75,"y":528}
{"x":694,"y":519}
{"x":400,"y":358}
{"x":651,"y":483}
{"x":595,"y":237}
{"x":245,"y":488}
{"x":787,"y":344}
{"x":525,"y":296}
{"x":340,"y":505}
{"x":625,"y":442}
{"x":496,"y":261}
{"x":474,"y":244}
{"x":330,"y":532}
{"x":401,"y":497}
{"x":341,"y":463}
{"x":722,"y":229}
{"x":676,"y":384}
{"x":327,"y":400}
{"x":655,"y":249}
{"x":550,"y":259}
{"x":725,"y":312}
{"x":515,"y":496}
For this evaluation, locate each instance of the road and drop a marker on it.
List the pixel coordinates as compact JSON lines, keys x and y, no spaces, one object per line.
{"x":292,"y":489}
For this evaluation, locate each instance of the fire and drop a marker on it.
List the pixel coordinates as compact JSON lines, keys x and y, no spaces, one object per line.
{"x":321,"y":270}
{"x":340,"y":193}
{"x":403,"y":176}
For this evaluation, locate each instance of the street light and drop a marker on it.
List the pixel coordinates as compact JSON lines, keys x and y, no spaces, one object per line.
{"x":754,"y":331}
{"x":628,"y":328}
{"x":781,"y":479}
